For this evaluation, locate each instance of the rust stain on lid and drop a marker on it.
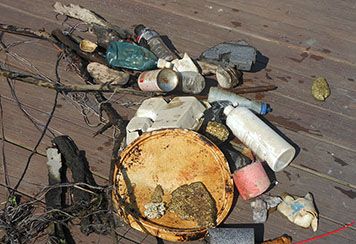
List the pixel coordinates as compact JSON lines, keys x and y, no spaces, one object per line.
{"x":170,"y":158}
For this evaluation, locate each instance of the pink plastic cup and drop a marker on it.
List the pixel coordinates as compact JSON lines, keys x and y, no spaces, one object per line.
{"x":251,"y":180}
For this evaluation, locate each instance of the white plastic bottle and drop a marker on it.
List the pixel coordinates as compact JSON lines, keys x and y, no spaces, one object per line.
{"x":259,"y":137}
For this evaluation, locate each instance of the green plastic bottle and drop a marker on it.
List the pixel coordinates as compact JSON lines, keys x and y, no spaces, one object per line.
{"x":130,"y":56}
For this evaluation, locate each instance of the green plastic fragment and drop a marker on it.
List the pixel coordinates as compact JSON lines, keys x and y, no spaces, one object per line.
{"x":130,"y":56}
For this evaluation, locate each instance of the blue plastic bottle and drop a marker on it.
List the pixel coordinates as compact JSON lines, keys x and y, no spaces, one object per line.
{"x":130,"y":56}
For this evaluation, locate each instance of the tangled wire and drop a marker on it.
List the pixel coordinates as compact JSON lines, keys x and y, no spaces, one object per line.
{"x":22,"y":222}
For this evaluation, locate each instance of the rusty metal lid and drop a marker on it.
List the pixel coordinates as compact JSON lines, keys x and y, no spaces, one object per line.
{"x":170,"y":158}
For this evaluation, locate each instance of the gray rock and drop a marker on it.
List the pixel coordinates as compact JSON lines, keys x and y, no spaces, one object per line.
{"x":234,"y":54}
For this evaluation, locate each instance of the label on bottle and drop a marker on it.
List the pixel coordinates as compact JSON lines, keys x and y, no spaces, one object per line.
{"x":146,"y":34}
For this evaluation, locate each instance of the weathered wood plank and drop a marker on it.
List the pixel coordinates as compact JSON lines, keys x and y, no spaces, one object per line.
{"x":336,"y":17}
{"x":283,"y":29}
{"x":282,"y":117}
{"x":321,"y":156}
{"x":22,"y":132}
{"x":293,"y":181}
{"x":241,"y":213}
{"x":342,"y":90}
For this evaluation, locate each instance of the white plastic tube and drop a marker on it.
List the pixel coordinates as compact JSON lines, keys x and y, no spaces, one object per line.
{"x":259,"y":137}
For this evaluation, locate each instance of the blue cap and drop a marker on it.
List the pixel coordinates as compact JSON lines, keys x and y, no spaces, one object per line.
{"x":265,"y":109}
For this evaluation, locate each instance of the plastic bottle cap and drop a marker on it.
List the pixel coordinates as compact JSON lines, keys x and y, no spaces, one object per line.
{"x":228,"y":109}
{"x":138,"y":29}
{"x":265,"y":109}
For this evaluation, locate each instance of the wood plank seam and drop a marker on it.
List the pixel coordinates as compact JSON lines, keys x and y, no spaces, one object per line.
{"x":256,"y":36}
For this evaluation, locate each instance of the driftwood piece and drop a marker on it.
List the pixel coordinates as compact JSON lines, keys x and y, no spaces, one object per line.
{"x":80,"y":13}
{"x":84,"y":200}
{"x":55,"y":198}
{"x":67,"y":41}
{"x":244,"y":90}
{"x":39,"y":34}
{"x":115,"y":119}
{"x":103,"y":74}
{"x":65,"y":87}
{"x":104,"y":30}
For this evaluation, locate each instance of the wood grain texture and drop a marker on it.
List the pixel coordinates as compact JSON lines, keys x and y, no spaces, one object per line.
{"x":302,"y":40}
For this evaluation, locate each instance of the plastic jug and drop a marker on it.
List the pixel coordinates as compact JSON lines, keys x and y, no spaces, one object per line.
{"x":130,"y":56}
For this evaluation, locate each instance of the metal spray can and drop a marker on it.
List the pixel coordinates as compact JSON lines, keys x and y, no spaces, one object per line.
{"x":161,"y":80}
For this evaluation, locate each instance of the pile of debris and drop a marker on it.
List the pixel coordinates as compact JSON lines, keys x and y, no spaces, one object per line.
{"x":141,"y":63}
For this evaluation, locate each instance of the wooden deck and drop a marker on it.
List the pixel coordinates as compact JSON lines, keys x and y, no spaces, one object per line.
{"x":302,"y":40}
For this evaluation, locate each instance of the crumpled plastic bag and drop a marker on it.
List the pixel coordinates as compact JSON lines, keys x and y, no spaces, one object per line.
{"x":300,"y":211}
{"x":261,"y":205}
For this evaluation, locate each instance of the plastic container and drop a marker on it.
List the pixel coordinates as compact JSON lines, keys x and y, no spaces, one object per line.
{"x":217,"y":94}
{"x":130,"y":56}
{"x":136,"y":127}
{"x":259,"y":137}
{"x":150,"y":107}
{"x":192,"y":82}
{"x":162,"y":80}
{"x":180,"y":112}
{"x":170,"y":158}
{"x":154,"y":42}
{"x":251,"y":180}
{"x":184,"y":64}
{"x":227,"y":77}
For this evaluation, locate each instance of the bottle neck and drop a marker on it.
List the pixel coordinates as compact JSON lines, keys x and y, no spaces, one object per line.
{"x":146,"y":34}
{"x":228,"y":109}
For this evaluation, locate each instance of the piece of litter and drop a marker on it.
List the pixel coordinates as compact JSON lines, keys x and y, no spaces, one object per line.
{"x":320,"y":89}
{"x":261,"y":205}
{"x":234,"y":54}
{"x":300,"y":211}
{"x":154,"y":210}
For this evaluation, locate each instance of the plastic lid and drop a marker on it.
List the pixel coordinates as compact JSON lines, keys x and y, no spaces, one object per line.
{"x":228,"y":109}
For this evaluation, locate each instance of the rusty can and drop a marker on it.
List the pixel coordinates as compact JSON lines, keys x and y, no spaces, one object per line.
{"x":161,"y":80}
{"x":251,"y":180}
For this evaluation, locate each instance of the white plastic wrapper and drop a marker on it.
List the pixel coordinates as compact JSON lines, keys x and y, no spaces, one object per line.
{"x":261,"y":205}
{"x":300,"y":211}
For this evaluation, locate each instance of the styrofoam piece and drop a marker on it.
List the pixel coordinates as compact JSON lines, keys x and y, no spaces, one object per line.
{"x":135,"y":127}
{"x":184,"y":64}
{"x":181,"y":112}
{"x":139,"y":123}
{"x":150,"y":107}
{"x":259,"y":137}
{"x":131,"y":136}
